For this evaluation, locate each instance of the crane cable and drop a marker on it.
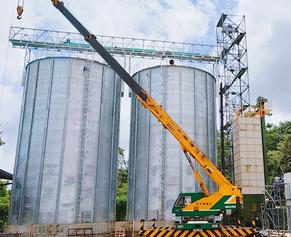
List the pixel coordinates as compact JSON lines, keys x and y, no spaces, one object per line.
{"x":4,"y":70}
{"x":19,"y":9}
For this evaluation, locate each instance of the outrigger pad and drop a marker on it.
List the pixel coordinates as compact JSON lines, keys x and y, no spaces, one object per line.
{"x":226,"y":231}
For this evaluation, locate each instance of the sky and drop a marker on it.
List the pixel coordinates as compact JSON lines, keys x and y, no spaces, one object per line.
{"x":268,"y":36}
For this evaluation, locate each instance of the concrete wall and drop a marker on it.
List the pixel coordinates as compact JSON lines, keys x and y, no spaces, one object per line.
{"x":248,"y":155}
{"x":131,"y":229}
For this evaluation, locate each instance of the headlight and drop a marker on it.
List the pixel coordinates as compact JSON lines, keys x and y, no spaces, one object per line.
{"x":177,"y":219}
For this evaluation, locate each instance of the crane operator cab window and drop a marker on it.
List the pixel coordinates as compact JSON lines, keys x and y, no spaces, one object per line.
{"x":183,"y":201}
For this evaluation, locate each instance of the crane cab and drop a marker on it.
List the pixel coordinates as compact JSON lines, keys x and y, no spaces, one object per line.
{"x":194,"y":219}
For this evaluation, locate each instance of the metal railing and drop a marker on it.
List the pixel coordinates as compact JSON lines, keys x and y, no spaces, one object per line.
{"x":68,"y":41}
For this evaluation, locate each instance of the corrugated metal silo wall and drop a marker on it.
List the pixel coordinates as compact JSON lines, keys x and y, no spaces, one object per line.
{"x":158,"y":170}
{"x":65,"y":170}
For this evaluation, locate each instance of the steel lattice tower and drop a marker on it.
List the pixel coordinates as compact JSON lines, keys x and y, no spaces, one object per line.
{"x":233,"y":79}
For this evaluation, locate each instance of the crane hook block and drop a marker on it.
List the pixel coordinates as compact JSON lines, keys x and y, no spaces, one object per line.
{"x":56,"y":2}
{"x":19,"y":10}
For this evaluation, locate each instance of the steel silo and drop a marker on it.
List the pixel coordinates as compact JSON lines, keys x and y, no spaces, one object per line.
{"x":65,"y":169}
{"x":158,"y":170}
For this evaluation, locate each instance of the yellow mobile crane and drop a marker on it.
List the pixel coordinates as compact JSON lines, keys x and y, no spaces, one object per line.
{"x":192,"y":211}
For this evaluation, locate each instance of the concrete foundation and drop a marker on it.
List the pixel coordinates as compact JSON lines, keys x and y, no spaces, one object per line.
{"x":117,"y":229}
{"x":248,"y":155}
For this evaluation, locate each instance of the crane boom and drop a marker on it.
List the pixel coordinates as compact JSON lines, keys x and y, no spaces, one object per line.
{"x":91,"y":39}
{"x":147,"y":101}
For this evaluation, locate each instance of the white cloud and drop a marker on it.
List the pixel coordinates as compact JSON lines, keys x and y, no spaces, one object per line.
{"x":174,"y":20}
{"x":269,"y":52}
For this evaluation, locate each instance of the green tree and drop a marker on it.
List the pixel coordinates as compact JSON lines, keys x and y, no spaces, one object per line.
{"x":273,"y":164}
{"x":227,"y":155}
{"x":278,"y":145}
{"x":4,"y":199}
{"x":4,"y":204}
{"x":284,"y":147}
{"x":122,"y":186}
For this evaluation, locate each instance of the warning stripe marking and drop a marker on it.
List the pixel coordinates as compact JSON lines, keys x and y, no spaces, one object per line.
{"x":245,"y":232}
{"x":147,"y":232}
{"x":164,"y":233}
{"x":204,"y":234}
{"x":250,"y":231}
{"x":232,"y":232}
{"x":180,"y":234}
{"x":238,"y":232}
{"x":224,"y":232}
{"x":186,"y":233}
{"x":192,"y":233}
{"x":201,"y":234}
{"x":170,"y":233}
{"x":209,"y":233}
{"x":217,"y":233}
{"x":156,"y":232}
{"x":176,"y":233}
{"x":197,"y":234}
